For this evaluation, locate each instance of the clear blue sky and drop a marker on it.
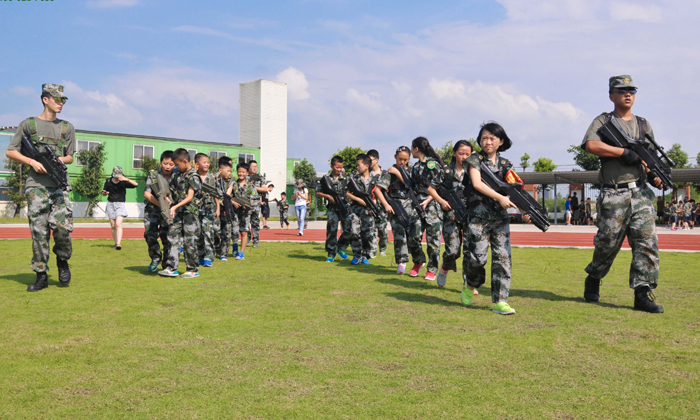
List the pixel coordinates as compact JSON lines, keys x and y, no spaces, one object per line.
{"x":373,"y":74}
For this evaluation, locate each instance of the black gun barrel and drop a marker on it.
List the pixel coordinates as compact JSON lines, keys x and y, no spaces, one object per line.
{"x":55,"y":169}
{"x":365,"y":197}
{"x":327,"y":188}
{"x":411,"y":194}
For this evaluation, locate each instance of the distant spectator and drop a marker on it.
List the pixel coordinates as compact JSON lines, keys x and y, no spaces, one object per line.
{"x":300,"y":198}
{"x":116,"y":187}
{"x":568,"y":211}
{"x":589,"y":211}
{"x":574,"y":201}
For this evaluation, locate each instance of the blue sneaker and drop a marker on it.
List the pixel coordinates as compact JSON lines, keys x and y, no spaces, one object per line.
{"x":240,"y":256}
{"x":343,"y":255}
{"x":206,"y":263}
{"x":330,"y":259}
{"x":190,"y":274}
{"x":180,"y":250}
{"x":365,"y":261}
{"x":201,"y":262}
{"x":355,"y":260}
{"x":223,"y":258}
{"x":234,"y":249}
{"x":168,"y":273}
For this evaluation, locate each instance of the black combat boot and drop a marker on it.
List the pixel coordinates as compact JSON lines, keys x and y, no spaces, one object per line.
{"x":42,"y":282}
{"x":591,"y":291}
{"x":63,"y":272}
{"x":644,"y":301}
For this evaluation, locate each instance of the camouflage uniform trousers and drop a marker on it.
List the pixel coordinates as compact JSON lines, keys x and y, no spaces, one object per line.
{"x":241,"y":223}
{"x":254,"y":234}
{"x":380,"y":232}
{"x":407,"y":242}
{"x":49,"y":209}
{"x":452,"y":233}
{"x":222,"y":230}
{"x":185,"y":232}
{"x":479,"y":233}
{"x":626,"y":213}
{"x":284,"y":215}
{"x":432,"y":226}
{"x":206,"y":234}
{"x":154,"y":228}
{"x":360,"y":223}
{"x":333,"y":244}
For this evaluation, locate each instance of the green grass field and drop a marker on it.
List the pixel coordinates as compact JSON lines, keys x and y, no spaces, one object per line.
{"x":285,"y":335}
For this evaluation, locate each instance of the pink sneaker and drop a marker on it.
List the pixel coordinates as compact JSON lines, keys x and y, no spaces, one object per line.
{"x":673,"y":229}
{"x":401,"y":269}
{"x":476,"y":292}
{"x":415,"y":270}
{"x":430,"y":276}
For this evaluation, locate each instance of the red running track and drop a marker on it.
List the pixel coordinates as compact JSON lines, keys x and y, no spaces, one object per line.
{"x":549,"y":239}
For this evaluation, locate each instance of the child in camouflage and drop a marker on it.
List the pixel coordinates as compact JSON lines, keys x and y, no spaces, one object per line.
{"x":208,"y":212}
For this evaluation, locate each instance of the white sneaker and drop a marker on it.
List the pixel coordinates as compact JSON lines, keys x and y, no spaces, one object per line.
{"x":401,"y":269}
{"x":441,"y":278}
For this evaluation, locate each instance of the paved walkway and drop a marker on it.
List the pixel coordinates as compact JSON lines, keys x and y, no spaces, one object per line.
{"x":521,"y":235}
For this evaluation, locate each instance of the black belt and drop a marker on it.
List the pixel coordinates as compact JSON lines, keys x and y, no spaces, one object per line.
{"x":625,"y":185}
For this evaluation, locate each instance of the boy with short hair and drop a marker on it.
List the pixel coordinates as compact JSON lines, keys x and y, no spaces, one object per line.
{"x":258,"y":182}
{"x":360,"y":219}
{"x":339,"y":184}
{"x":283,"y":208}
{"x":222,"y":228}
{"x":380,"y":230}
{"x":154,"y":224}
{"x":208,"y":213}
{"x":186,"y":190}
{"x":242,"y":189}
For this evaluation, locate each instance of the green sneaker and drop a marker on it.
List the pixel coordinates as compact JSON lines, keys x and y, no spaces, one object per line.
{"x":343,"y":255}
{"x":503,"y":308}
{"x":382,"y":254}
{"x":466,"y":296}
{"x":153,"y":268}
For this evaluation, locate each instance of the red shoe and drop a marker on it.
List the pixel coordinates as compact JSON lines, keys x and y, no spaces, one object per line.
{"x":430,"y":276}
{"x":415,"y":270}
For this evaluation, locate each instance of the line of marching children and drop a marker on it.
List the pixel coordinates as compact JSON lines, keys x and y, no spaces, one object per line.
{"x":419,"y":198}
{"x":200,"y":224}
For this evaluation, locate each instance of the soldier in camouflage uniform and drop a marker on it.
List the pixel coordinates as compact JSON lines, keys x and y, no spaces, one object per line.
{"x":259,"y":182}
{"x":222,"y":228}
{"x":186,"y":190}
{"x":48,"y":207}
{"x":489,"y":223}
{"x":404,"y":242}
{"x":359,"y":217}
{"x":283,"y":208}
{"x":625,"y":204}
{"x":453,"y":229}
{"x":154,"y":225}
{"x":426,"y":175}
{"x":244,"y":190}
{"x":208,"y":212}
{"x":339,"y":184}
{"x":380,"y":230}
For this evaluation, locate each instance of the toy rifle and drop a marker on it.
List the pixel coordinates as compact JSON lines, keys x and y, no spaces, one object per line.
{"x":284,"y":204}
{"x":55,"y":169}
{"x":614,"y":135}
{"x":228,"y":211}
{"x":399,"y":212}
{"x":411,"y":193}
{"x":161,"y":190}
{"x":327,"y":188}
{"x":366,"y":197}
{"x":211,"y":190}
{"x":243,"y":202}
{"x":452,"y":197}
{"x":514,"y":190}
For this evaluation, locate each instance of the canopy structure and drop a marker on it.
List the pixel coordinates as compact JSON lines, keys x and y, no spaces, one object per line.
{"x":691,"y":175}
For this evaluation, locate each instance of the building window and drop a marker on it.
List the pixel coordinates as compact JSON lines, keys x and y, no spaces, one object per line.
{"x":215,"y":155}
{"x":84,"y":145}
{"x":245,"y":157}
{"x":141,"y":151}
{"x":192,"y":152}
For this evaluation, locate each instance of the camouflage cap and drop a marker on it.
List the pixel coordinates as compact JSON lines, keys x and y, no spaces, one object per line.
{"x":299,"y":183}
{"x":117,"y":171}
{"x":622,"y":81}
{"x":53,"y":89}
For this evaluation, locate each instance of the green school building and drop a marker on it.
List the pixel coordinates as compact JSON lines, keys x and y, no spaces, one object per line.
{"x":127,"y":151}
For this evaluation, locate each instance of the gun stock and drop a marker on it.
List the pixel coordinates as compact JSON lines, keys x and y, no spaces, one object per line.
{"x":520,"y":198}
{"x":365,"y":197}
{"x":327,"y":188}
{"x":161,"y":189}
{"x":411,"y":194}
{"x":399,"y":212}
{"x":458,"y":207}
{"x":243,"y":202}
{"x":55,"y":169}
{"x":211,"y":190}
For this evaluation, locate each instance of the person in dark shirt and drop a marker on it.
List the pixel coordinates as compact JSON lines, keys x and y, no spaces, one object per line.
{"x":116,"y":187}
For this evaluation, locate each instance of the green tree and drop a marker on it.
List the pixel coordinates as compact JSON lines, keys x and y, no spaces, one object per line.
{"x":475,"y":145}
{"x":678,"y":156}
{"x":91,"y":179}
{"x":445,"y":152}
{"x":148,"y":164}
{"x":585,"y":160}
{"x":16,"y":183}
{"x":349,"y":155}
{"x":545,"y":165}
{"x":525,"y":161}
{"x":213,"y":165}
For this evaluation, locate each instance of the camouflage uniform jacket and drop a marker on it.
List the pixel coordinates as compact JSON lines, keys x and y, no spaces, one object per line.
{"x":150,"y":180}
{"x":478,"y":204}
{"x":246,"y":190}
{"x":339,"y":185}
{"x":454,"y":181}
{"x":377,"y":179}
{"x":256,"y":180}
{"x":179,"y":186}
{"x":427,"y":173}
{"x":208,"y":202}
{"x":364,"y":186}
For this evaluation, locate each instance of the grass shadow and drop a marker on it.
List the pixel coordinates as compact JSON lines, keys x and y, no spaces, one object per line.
{"x":141,"y":269}
{"x":420,"y":298}
{"x":102,"y":246}
{"x":417,"y":283}
{"x":28,"y":278}
{"x":545,"y":295}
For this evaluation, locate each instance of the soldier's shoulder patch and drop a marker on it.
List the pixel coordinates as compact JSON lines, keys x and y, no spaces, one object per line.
{"x":431,"y":164}
{"x":503,"y":161}
{"x":481,"y":157}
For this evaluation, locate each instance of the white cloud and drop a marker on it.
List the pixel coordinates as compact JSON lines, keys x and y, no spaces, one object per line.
{"x":634,"y":11}
{"x":110,"y":4}
{"x":24,"y":91}
{"x":91,"y":108}
{"x":297,"y":84}
{"x":402,"y":87}
{"x":274,"y":44}
{"x":364,"y":100}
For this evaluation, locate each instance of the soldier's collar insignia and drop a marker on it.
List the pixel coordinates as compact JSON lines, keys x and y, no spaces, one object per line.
{"x":431,"y":164}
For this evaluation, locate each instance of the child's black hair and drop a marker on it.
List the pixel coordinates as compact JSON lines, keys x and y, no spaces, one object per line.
{"x":364,"y":158}
{"x":497,"y":130}
{"x":199,"y":156}
{"x":168,"y":154}
{"x":462,"y":143}
{"x":424,"y":147}
{"x":243,"y":165}
{"x":181,"y":154}
{"x":336,"y":159}
{"x":373,"y":153}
